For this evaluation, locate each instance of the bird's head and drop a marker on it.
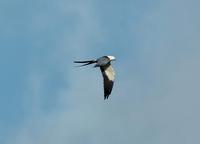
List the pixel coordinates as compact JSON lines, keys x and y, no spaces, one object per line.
{"x":112,"y":58}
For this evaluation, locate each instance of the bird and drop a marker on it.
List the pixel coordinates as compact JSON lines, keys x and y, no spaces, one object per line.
{"x":108,"y":73}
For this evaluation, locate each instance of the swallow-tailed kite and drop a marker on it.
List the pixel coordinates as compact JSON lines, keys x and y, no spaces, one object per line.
{"x":108,"y":73}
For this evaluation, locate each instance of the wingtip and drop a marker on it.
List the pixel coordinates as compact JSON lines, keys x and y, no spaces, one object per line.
{"x":106,"y":97}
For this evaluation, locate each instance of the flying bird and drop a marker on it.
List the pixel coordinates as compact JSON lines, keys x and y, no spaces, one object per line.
{"x":107,"y":71}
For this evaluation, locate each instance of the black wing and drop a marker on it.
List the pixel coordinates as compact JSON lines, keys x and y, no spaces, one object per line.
{"x":108,"y":79}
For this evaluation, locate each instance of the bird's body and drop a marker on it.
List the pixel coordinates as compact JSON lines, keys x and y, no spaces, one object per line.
{"x":107,"y":70}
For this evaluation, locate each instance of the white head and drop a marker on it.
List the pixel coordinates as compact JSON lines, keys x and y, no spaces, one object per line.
{"x":112,"y":58}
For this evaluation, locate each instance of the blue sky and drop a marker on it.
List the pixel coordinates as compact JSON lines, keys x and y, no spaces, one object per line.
{"x":44,"y":99}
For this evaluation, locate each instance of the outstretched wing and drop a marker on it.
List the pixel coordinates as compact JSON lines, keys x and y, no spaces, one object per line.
{"x":108,"y":79}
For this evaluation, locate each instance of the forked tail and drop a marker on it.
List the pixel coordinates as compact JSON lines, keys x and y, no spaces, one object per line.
{"x":85,"y":62}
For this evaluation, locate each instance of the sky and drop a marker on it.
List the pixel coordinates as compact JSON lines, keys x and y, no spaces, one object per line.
{"x":44,"y":99}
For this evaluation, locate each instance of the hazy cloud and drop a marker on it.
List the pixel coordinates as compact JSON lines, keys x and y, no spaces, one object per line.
{"x":155,"y":98}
